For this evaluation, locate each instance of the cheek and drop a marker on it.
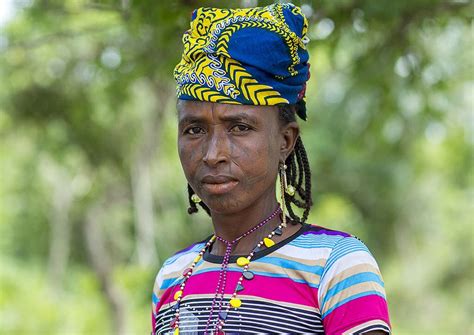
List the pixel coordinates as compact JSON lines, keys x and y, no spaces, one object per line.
{"x":259,"y":163}
{"x":187,"y":156}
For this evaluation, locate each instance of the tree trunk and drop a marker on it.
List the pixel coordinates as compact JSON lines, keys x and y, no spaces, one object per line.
{"x":62,"y":197}
{"x":141,"y":178}
{"x":102,"y":265}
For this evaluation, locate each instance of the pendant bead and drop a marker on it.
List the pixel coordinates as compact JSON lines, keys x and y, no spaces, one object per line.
{"x":175,"y":306}
{"x":173,"y":322}
{"x":239,"y":288}
{"x":235,"y":302}
{"x":278,"y":231}
{"x":268,"y":242}
{"x":248,"y":275}
{"x":242,"y":261}
{"x":178,"y":294}
{"x":176,"y":331}
{"x":223,"y":315}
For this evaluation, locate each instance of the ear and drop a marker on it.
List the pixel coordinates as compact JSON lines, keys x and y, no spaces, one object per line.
{"x":289,"y":134}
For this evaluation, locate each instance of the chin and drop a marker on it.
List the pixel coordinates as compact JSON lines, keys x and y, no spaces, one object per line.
{"x":225,"y":205}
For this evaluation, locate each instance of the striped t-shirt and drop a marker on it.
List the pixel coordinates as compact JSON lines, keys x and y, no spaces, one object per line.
{"x":318,"y":281}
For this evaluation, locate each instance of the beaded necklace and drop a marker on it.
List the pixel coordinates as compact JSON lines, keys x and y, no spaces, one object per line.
{"x":243,"y":262}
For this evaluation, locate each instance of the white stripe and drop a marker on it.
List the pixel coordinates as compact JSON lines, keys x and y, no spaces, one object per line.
{"x":158,"y":280}
{"x":303,"y":253}
{"x":180,"y":263}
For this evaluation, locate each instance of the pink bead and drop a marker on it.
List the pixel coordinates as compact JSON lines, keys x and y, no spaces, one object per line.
{"x":187,"y":272}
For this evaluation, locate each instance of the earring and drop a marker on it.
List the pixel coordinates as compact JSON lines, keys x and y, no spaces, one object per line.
{"x":195,"y":198}
{"x":289,"y":189}
{"x":282,"y":169}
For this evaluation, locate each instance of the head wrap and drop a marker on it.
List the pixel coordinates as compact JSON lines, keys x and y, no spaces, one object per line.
{"x":252,"y":56}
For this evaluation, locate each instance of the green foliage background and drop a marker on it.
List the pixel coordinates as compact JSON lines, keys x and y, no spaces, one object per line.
{"x":92,"y":194}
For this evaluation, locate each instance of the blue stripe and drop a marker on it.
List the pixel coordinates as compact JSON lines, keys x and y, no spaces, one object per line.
{"x":316,"y":241}
{"x":356,"y":296}
{"x":173,"y":258}
{"x":154,"y":298}
{"x":167,"y":283}
{"x":312,"y":245}
{"x":344,"y":247}
{"x":292,"y":265}
{"x":358,"y":278}
{"x":318,"y":238}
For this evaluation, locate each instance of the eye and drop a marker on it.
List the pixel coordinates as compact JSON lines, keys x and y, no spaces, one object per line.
{"x":239,"y":128}
{"x":194,"y":131}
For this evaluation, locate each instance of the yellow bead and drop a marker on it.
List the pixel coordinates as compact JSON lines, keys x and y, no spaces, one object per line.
{"x":197,"y":259}
{"x":242,"y":261}
{"x":235,"y":302}
{"x":178,"y":294}
{"x":268,"y":242}
{"x":195,"y":198}
{"x":290,"y":190}
{"x":176,"y":331}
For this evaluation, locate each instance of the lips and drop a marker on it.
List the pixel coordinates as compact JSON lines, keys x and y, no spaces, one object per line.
{"x":218,"y":184}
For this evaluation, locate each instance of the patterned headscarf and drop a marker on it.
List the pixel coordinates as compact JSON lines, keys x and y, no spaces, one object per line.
{"x":251,"y":56}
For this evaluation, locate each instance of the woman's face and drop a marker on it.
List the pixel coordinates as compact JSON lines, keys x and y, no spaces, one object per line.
{"x":230,"y":153}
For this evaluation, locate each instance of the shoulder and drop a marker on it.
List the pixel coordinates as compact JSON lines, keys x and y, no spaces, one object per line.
{"x":172,"y":268}
{"x":351,"y":291}
{"x":313,"y":236}
{"x":174,"y":265}
{"x":340,"y":249}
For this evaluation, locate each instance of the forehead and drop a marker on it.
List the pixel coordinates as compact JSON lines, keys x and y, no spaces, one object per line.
{"x":212,"y":110}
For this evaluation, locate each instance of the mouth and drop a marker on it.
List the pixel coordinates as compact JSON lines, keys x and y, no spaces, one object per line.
{"x":218,"y":184}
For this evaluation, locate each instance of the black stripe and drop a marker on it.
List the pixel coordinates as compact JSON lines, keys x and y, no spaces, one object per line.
{"x":203,"y":303}
{"x":371,"y":328}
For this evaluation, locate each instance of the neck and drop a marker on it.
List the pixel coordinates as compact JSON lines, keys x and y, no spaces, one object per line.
{"x":230,"y":226}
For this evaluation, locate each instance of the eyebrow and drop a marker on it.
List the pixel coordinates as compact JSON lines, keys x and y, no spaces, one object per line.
{"x":239,"y":117}
{"x":190,"y":119}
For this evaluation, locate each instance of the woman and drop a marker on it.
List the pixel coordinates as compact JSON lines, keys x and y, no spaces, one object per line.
{"x":241,"y":82}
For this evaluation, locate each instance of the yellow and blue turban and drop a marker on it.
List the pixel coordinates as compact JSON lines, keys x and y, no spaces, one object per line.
{"x":251,"y":56}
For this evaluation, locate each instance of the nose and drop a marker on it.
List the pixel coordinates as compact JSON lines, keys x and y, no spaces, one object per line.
{"x":216,"y":150}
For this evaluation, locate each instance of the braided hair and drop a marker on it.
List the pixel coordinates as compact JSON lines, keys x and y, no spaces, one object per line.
{"x":298,"y":172}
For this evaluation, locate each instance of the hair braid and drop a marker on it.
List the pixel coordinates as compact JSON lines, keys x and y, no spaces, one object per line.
{"x":298,"y":169}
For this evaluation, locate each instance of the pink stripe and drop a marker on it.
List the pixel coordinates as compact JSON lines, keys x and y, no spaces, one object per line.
{"x":356,"y":312}
{"x":278,"y":289}
{"x":153,"y":322}
{"x":168,"y":297}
